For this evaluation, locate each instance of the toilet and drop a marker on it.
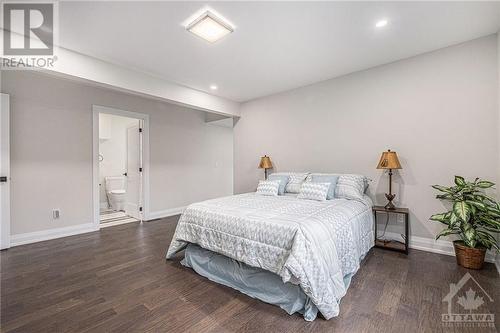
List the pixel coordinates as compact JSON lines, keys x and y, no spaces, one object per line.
{"x":115,"y":190}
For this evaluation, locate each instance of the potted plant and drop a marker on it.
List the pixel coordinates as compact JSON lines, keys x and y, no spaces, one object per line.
{"x":474,"y":217}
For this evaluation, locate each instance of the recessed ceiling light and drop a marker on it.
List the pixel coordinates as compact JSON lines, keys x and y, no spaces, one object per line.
{"x":381,"y":23}
{"x":210,"y":27}
{"x":213,"y":87}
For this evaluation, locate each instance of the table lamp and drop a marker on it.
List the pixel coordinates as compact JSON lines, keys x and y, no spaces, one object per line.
{"x":389,"y":160}
{"x":265,"y":163}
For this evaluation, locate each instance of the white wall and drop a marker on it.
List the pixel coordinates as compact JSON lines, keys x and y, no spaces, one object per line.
{"x":113,"y":148}
{"x":498,"y":125}
{"x":498,"y":131}
{"x":51,"y":151}
{"x":438,"y":111}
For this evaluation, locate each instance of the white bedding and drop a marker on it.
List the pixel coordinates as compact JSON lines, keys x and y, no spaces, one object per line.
{"x":311,"y":243}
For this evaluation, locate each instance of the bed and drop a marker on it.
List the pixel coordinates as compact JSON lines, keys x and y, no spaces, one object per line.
{"x":313,"y":247}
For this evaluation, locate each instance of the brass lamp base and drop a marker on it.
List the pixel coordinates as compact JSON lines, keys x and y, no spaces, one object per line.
{"x":390,"y":205}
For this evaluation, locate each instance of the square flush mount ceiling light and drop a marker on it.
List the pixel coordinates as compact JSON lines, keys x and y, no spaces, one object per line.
{"x":210,"y":27}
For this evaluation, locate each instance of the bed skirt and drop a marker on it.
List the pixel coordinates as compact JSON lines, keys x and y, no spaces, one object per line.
{"x":254,"y":282}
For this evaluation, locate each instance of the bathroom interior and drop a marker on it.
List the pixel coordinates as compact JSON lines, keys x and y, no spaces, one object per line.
{"x":119,"y":179}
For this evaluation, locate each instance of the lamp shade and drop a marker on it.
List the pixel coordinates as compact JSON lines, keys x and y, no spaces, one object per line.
{"x":389,"y":160}
{"x":265,"y":162}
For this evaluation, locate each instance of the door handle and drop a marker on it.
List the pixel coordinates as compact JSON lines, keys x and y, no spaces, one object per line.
{"x":125,"y":174}
{"x":3,"y":179}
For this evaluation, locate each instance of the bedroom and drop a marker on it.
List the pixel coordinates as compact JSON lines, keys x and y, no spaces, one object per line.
{"x":322,"y":89}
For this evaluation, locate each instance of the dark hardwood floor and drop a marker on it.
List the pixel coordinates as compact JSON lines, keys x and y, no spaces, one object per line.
{"x":117,"y":280}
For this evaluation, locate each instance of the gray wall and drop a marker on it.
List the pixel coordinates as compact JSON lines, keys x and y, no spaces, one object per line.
{"x":438,"y":111}
{"x":498,"y":132}
{"x":51,"y":151}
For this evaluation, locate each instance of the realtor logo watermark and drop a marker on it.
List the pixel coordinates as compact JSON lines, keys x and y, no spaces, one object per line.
{"x":29,"y":33}
{"x":468,"y":305}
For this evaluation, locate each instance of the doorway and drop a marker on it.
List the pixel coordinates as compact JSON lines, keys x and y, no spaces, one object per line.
{"x":120,"y":172}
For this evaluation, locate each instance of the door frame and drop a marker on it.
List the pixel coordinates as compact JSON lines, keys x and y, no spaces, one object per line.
{"x":96,"y":109}
{"x":5,"y":218}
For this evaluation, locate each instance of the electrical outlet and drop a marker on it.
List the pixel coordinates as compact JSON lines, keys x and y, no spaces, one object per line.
{"x":401,"y":218}
{"x":56,"y":213}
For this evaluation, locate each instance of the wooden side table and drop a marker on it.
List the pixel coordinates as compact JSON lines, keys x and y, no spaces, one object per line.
{"x":393,"y":244}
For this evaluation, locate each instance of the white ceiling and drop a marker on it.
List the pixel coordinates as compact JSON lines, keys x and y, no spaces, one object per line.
{"x":276,"y":46}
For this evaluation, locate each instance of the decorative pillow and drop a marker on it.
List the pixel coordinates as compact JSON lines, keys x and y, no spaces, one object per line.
{"x":350,"y":187}
{"x":283,"y":179}
{"x":332,"y":179}
{"x":314,"y":191}
{"x":295,"y":181}
{"x":268,"y":187}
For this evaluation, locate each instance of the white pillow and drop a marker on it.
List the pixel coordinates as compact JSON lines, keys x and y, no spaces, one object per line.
{"x":268,"y":187}
{"x":350,"y":187}
{"x":314,"y":191}
{"x":295,"y":181}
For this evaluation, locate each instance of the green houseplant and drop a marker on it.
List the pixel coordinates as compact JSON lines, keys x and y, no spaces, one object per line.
{"x":474,"y":218}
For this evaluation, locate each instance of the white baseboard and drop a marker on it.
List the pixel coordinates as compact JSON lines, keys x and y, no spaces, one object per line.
{"x":436,"y":246}
{"x":43,"y":235}
{"x":165,"y":213}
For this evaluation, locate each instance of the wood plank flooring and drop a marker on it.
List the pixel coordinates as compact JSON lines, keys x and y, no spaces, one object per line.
{"x":117,"y":280}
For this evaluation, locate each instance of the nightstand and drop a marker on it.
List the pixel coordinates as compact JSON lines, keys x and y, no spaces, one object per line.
{"x":393,"y":244}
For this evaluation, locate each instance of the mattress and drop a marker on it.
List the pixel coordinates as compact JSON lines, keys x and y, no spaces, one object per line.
{"x":312,"y":244}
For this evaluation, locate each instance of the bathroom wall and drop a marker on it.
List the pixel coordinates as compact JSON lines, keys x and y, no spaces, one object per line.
{"x":51,"y":153}
{"x":113,"y":148}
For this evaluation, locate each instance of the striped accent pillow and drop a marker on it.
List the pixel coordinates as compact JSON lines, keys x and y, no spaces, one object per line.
{"x":314,"y":191}
{"x":350,"y":187}
{"x":268,"y":187}
{"x":283,"y":179}
{"x":295,"y":182}
{"x":327,"y":179}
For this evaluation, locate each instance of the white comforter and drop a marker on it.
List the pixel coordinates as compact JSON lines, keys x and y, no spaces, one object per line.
{"x":310,"y":243}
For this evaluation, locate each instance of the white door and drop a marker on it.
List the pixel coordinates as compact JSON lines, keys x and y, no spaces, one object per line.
{"x":134,"y":173}
{"x":4,"y":172}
